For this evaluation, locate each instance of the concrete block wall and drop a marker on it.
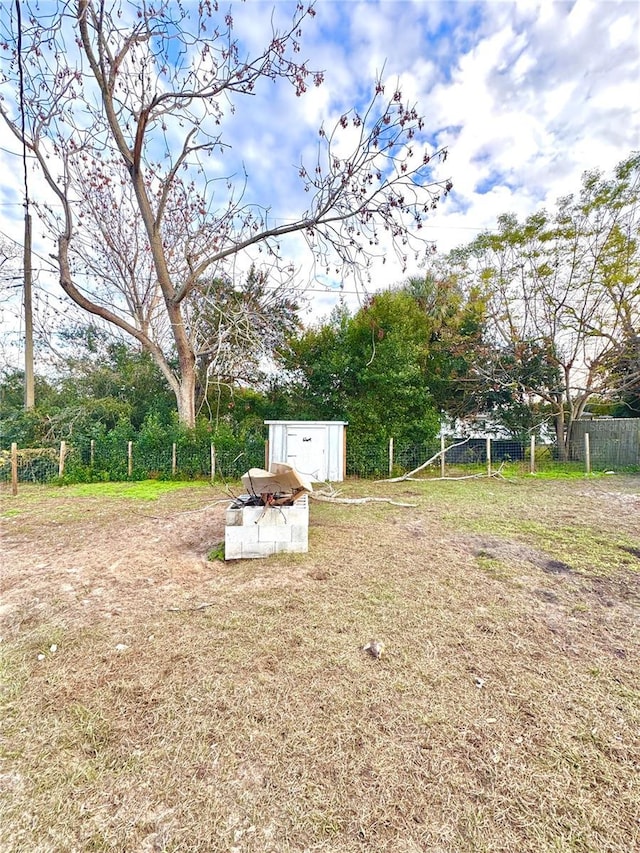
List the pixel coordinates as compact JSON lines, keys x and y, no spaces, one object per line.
{"x":256,"y":531}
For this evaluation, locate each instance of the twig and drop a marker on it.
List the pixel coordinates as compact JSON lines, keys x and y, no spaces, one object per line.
{"x":497,"y":474}
{"x":201,"y":508}
{"x":190,"y":609}
{"x":424,"y":464}
{"x":334,"y":500}
{"x":184,"y":511}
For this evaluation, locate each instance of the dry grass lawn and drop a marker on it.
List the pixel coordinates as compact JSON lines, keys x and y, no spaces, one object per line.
{"x":504,"y":715}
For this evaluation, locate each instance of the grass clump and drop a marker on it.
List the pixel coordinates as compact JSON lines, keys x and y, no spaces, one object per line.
{"x":216,"y":553}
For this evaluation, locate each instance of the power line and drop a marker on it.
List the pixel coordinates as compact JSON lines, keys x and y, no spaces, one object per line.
{"x":17,"y":153}
{"x":52,"y":266}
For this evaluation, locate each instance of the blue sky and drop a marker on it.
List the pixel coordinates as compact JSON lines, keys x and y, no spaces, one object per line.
{"x":526,"y":96}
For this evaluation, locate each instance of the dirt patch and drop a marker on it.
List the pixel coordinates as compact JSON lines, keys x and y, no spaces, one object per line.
{"x":514,"y":552}
{"x":155,"y":700}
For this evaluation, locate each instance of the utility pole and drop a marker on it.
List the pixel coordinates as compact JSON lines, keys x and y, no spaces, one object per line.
{"x":29,"y":394}
{"x":29,"y":389}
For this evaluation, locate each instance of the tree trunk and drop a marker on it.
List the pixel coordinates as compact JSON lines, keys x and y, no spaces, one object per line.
{"x":560,"y":437}
{"x":183,"y":385}
{"x":568,"y":437}
{"x":562,"y":447}
{"x":186,"y":394}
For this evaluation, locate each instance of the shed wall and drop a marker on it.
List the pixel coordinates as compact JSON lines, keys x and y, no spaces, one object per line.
{"x":321,"y":441}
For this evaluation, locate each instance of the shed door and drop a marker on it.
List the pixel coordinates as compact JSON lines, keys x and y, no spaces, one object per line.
{"x":306,"y":451}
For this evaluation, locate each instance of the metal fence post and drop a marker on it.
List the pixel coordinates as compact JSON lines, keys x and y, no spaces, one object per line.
{"x":587,"y":452}
{"x":174,"y":460}
{"x":213,"y":462}
{"x":442,"y":453}
{"x":130,"y":458}
{"x":391,"y":456}
{"x":488,"y":456}
{"x":14,"y":468}
{"x":93,"y":451}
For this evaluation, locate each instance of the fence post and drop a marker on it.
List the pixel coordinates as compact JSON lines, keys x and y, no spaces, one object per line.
{"x":93,"y":451}
{"x":174,"y":460}
{"x":587,"y":452}
{"x":213,"y":462}
{"x":442,"y":452}
{"x":391,"y":456}
{"x":266,"y":454}
{"x":130,"y":458}
{"x":488,"y":456}
{"x":63,"y":453}
{"x":14,"y":468}
{"x":532,"y":460}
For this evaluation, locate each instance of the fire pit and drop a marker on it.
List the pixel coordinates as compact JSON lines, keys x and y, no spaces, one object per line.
{"x":273,"y":517}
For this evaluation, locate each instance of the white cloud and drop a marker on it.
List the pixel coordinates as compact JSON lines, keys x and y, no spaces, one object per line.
{"x":526,"y":95}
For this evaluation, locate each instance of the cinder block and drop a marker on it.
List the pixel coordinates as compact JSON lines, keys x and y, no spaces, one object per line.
{"x":243,"y":533}
{"x":254,"y":532}
{"x":232,"y":550}
{"x":298,"y":515}
{"x":258,"y":549}
{"x":252,"y":515}
{"x":276,"y":517}
{"x":234,"y":517}
{"x":281,"y":533}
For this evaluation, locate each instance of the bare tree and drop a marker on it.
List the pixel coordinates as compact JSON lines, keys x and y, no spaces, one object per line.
{"x":10,"y":289}
{"x":123,"y":116}
{"x":563,"y":294}
{"x":10,"y":271}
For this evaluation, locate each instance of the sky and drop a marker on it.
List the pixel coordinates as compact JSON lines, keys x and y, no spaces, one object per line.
{"x":525,"y":96}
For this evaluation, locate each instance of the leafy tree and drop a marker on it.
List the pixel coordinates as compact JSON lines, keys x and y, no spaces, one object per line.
{"x":626,"y":370}
{"x":390,"y":369}
{"x":503,"y":382}
{"x":320,"y":378}
{"x":389,"y":339}
{"x":239,"y":327}
{"x":26,"y":428}
{"x":456,"y":341}
{"x":103,"y":384}
{"x":563,"y":297}
{"x":106,"y":380}
{"x":124,"y":108}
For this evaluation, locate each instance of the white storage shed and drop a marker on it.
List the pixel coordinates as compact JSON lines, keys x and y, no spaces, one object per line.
{"x":314,"y":448}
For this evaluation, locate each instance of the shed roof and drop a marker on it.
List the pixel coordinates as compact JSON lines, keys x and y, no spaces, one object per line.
{"x":320,"y":423}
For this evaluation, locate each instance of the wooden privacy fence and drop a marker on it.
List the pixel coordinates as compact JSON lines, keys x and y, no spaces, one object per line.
{"x":613,"y":442}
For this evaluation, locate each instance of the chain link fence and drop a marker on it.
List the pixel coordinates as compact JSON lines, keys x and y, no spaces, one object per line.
{"x":96,"y":461}
{"x":87,"y":460}
{"x":472,"y":456}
